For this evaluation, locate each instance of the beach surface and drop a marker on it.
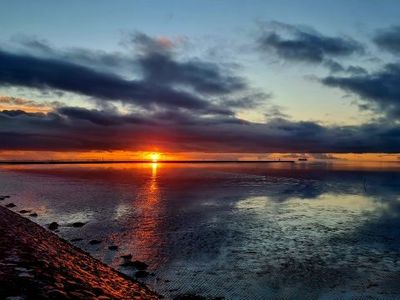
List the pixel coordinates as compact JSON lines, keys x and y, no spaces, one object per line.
{"x":37,"y":264}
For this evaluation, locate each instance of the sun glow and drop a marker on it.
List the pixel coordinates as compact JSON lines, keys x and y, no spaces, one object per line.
{"x":155,"y":157}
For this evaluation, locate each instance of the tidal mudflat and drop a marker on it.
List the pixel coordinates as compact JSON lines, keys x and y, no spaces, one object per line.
{"x":239,"y":231}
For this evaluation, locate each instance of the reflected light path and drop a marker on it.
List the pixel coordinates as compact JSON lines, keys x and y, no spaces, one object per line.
{"x":147,"y":234}
{"x":142,"y":219}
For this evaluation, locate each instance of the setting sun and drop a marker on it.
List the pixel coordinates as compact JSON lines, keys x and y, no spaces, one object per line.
{"x":155,"y":157}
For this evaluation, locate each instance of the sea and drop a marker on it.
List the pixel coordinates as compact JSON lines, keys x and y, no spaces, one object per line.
{"x":303,"y":230}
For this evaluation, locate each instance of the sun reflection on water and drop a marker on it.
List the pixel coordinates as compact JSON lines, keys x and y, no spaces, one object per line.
{"x":147,"y":232}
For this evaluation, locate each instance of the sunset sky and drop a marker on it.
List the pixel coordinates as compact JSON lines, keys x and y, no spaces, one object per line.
{"x":200,"y":79}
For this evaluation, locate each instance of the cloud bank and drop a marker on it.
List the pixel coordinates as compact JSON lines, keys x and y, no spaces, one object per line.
{"x":302,"y":44}
{"x":188,"y":105}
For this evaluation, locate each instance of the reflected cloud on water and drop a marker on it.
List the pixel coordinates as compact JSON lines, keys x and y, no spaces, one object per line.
{"x":232,"y":230}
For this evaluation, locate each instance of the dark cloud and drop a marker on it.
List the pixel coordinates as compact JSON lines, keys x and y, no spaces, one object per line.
{"x":100,"y":60}
{"x":388,"y":39}
{"x":356,"y":70}
{"x":16,"y":113}
{"x":305,"y":45}
{"x":158,"y":64}
{"x":98,"y":117}
{"x":336,"y":67}
{"x":379,"y":91}
{"x":202,"y":77}
{"x":80,"y":129}
{"x":183,"y":104}
{"x":160,"y":78}
{"x":29,"y":71}
{"x":247,"y":100}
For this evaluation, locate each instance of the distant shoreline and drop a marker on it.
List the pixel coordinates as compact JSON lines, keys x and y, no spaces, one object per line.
{"x":54,"y":162}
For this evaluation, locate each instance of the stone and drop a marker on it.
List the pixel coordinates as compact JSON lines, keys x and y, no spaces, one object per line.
{"x":94,"y":242}
{"x":53,"y":226}
{"x":9,"y":205}
{"x":113,"y":248}
{"x":78,"y":224}
{"x":33,"y":215}
{"x":24,"y":211}
{"x":141,"y":274}
{"x":128,"y":256}
{"x":127,"y":263}
{"x":140,"y":265}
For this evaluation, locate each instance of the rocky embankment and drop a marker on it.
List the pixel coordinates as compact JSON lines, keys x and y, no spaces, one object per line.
{"x":37,"y":264}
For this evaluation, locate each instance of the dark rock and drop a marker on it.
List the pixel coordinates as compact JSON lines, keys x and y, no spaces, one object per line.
{"x":141,"y":274}
{"x":10,"y":205}
{"x":24,"y":211}
{"x":33,"y":215}
{"x":78,"y":224}
{"x":4,"y":197}
{"x":76,"y":240}
{"x":140,"y":265}
{"x":136,"y":264}
{"x":94,"y":242}
{"x":53,"y":226}
{"x":127,"y":263}
{"x":128,"y":256}
{"x":113,"y":247}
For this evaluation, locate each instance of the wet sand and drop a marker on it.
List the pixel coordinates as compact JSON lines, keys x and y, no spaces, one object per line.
{"x":37,"y":264}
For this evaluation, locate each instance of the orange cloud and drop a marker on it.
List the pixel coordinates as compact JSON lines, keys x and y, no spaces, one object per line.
{"x":31,"y":106}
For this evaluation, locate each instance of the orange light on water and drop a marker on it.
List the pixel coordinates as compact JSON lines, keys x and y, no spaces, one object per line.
{"x":154,"y":170}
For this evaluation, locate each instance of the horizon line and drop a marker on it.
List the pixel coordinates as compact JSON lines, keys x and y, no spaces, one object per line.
{"x":14,"y":162}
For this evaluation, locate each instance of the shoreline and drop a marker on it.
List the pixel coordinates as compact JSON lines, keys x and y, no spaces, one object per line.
{"x":36,"y":263}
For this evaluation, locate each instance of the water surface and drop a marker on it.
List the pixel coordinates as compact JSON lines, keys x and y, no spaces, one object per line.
{"x":240,"y":231}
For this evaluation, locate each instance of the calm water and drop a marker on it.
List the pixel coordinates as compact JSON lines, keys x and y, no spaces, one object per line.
{"x":244,"y":231}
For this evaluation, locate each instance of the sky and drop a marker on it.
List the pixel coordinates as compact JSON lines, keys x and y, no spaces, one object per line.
{"x":254,"y":79}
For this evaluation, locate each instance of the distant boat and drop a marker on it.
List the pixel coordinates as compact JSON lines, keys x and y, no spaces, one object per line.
{"x":302,"y":159}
